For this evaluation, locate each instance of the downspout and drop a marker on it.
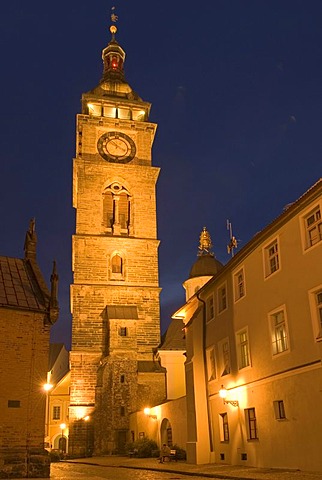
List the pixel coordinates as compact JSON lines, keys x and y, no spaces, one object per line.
{"x":205,"y":371}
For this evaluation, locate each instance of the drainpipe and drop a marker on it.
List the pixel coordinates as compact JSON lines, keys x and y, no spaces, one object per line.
{"x":205,"y":371}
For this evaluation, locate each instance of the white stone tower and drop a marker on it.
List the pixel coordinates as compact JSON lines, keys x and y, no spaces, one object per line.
{"x":115,"y":290}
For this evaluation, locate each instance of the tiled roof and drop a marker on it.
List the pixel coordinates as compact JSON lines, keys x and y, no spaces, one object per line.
{"x":18,"y":286}
{"x":174,"y":338}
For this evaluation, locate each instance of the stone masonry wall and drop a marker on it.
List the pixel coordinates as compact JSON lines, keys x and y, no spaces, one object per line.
{"x":24,"y":346}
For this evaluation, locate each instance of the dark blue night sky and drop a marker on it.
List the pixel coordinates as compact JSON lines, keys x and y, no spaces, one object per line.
{"x":236,"y":90}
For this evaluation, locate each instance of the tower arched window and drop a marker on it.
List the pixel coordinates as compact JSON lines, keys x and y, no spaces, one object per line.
{"x":117,"y":210}
{"x":117,"y":264}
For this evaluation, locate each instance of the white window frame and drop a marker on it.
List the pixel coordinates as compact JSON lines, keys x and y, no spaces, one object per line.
{"x":316,"y":311}
{"x":56,"y":408}
{"x":242,"y":345}
{"x":211,"y":364}
{"x":279,"y":410}
{"x":251,"y":424}
{"x":210,"y":310}
{"x":269,"y":256}
{"x":222,"y":287}
{"x":239,"y":285}
{"x":224,"y":356}
{"x":275,"y":332}
{"x":317,"y":224}
{"x":224,"y":427}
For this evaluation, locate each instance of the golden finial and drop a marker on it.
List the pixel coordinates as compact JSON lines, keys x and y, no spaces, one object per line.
{"x":205,"y":244}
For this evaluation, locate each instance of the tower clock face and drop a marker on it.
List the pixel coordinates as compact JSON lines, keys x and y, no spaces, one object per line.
{"x":116,"y":147}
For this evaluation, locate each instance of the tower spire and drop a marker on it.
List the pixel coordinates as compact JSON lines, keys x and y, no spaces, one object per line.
{"x":113,"y":56}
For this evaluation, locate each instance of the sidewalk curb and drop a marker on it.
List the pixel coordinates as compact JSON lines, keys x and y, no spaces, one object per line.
{"x":166,"y":470}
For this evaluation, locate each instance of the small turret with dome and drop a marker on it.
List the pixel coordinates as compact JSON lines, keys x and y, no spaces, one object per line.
{"x":204,"y":268}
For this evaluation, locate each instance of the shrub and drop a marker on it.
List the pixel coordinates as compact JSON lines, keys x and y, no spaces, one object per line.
{"x":181,"y":453}
{"x":144,"y":447}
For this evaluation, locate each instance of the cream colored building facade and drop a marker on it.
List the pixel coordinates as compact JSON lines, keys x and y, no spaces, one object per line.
{"x":254,"y":333}
{"x":57,"y":401}
{"x":115,"y":290}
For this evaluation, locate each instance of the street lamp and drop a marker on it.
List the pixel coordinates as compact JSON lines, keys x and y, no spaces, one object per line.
{"x":223,"y":394}
{"x":147,"y":412}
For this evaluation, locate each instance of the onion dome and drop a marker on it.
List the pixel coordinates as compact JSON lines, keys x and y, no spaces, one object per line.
{"x":204,"y":268}
{"x":205,"y":265}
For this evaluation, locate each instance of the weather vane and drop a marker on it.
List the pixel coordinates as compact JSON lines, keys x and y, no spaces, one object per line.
{"x":233,"y":243}
{"x":114,"y":17}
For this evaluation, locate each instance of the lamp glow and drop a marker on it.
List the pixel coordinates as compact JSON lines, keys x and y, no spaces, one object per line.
{"x":47,"y":387}
{"x":147,"y":412}
{"x":223,"y":395}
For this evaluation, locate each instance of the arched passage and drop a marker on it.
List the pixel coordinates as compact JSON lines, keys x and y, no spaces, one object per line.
{"x":166,"y":432}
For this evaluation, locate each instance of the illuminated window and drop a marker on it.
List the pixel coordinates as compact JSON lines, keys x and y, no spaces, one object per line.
{"x":224,"y":352}
{"x":279,"y":332}
{"x":223,"y":427}
{"x":279,"y":409}
{"x":109,"y":111}
{"x":222,"y":298}
{"x":211,"y":364}
{"x":243,"y":349}
{"x":138,"y":115}
{"x":313,"y":227}
{"x":56,"y":412}
{"x":271,"y":258}
{"x":123,"y":332}
{"x":124,"y":113}
{"x":251,"y":424}
{"x":210,"y":308}
{"x":94,"y":109}
{"x":239,"y":284}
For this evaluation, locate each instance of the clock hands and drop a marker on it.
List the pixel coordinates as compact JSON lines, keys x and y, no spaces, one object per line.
{"x":117,"y":145}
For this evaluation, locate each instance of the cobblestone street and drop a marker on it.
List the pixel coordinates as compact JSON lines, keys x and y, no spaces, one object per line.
{"x":115,"y":468}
